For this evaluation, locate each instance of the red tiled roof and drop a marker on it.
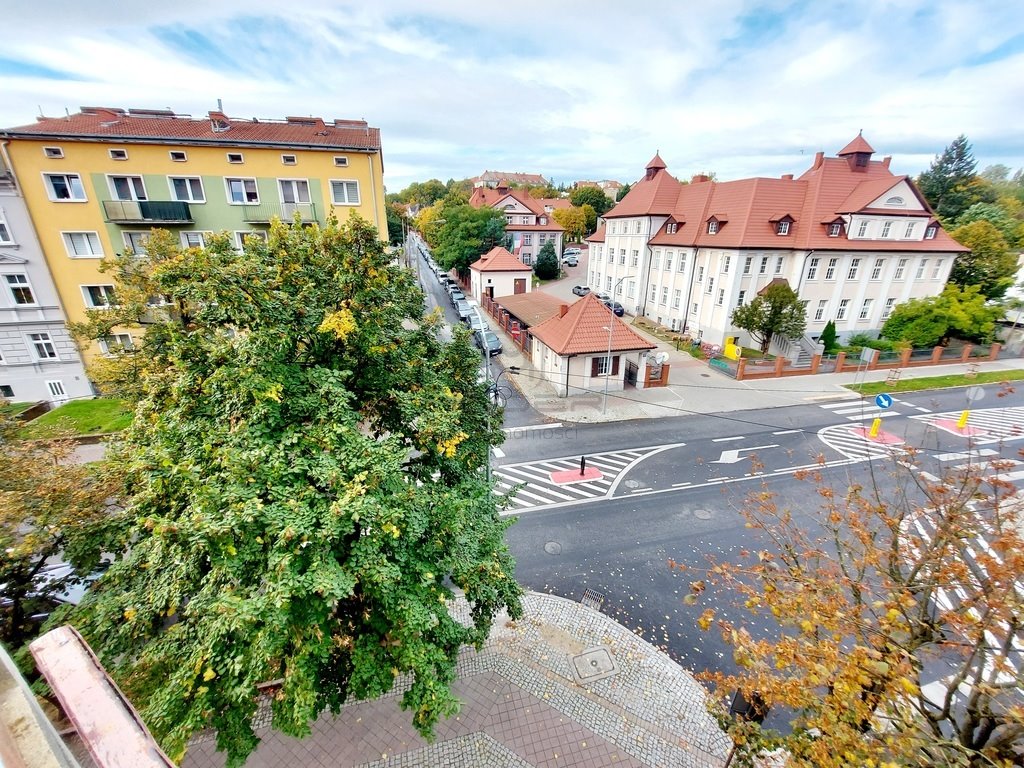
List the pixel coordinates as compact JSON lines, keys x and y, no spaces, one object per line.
{"x":655,"y":196}
{"x":499,"y":260}
{"x":495,"y":198}
{"x":855,"y":146}
{"x":656,"y":162}
{"x":531,"y":308}
{"x":153,"y":126}
{"x":746,"y":208}
{"x":533,"y":179}
{"x":598,"y":236}
{"x":551,"y":226}
{"x":554,"y":202}
{"x":584,"y":330}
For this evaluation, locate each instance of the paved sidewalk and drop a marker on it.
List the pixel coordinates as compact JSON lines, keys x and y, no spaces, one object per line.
{"x":527,"y":701}
{"x":694,"y":387}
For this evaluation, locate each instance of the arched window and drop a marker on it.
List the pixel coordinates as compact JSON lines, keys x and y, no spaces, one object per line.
{"x":895,"y":200}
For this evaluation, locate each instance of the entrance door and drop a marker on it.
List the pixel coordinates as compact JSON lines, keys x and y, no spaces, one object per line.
{"x":520,"y":285}
{"x":57,"y":393}
{"x":631,"y":371}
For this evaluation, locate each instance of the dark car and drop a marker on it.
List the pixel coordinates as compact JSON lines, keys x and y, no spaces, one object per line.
{"x":457,"y":296}
{"x":615,"y":307}
{"x":464,"y":309}
{"x":581,"y":290}
{"x":488,"y":340}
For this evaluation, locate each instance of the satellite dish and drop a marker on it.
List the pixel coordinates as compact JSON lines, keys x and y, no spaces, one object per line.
{"x":661,"y":357}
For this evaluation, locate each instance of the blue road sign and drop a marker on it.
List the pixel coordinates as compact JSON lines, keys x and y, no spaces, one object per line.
{"x":883,"y":400}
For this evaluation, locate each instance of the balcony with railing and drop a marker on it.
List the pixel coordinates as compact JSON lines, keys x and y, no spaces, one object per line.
{"x":135,"y":212}
{"x":262,"y":213}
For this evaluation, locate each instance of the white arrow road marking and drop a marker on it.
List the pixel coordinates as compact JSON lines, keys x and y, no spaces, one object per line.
{"x":731,"y":457}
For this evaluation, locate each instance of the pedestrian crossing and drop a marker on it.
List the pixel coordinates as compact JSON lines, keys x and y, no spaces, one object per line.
{"x":534,"y":488}
{"x":861,"y":409}
{"x":846,"y":440}
{"x":984,"y":426}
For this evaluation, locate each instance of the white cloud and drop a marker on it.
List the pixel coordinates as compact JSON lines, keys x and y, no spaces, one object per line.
{"x":571,"y":89}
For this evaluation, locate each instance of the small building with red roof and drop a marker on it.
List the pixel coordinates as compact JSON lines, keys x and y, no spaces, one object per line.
{"x":528,"y":221}
{"x":499,"y":273}
{"x":852,"y":238}
{"x":571,"y":349}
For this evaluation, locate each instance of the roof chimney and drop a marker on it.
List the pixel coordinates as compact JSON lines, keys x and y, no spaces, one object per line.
{"x":787,"y":177}
{"x":819,"y":158}
{"x":699,"y":177}
{"x":562,"y":309}
{"x":885,"y":161}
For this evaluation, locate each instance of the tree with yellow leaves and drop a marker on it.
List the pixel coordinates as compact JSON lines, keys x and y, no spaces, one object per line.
{"x":304,"y":487}
{"x":894,"y":615}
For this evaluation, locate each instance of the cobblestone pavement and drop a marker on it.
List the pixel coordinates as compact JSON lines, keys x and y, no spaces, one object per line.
{"x":522,"y":707}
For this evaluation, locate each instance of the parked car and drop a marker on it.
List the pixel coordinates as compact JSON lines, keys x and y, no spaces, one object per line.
{"x":602,"y":296}
{"x":488,"y":340}
{"x":476,"y":322}
{"x":581,"y":290}
{"x":464,"y":308}
{"x":457,"y":295}
{"x":615,"y":307}
{"x":570,"y":261}
{"x":573,"y":251}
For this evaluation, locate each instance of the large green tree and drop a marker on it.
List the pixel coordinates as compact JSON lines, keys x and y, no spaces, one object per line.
{"x":777,"y":310}
{"x":465,"y":234}
{"x":573,"y":221}
{"x":305,"y":488}
{"x":424,"y":192}
{"x":623,"y":191}
{"x":990,"y":265}
{"x":592,"y":196}
{"x":957,"y":312}
{"x":396,"y":223}
{"x":947,"y":184}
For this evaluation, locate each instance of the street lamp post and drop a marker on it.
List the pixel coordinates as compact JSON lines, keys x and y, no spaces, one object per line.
{"x":611,"y":328}
{"x":487,"y":376}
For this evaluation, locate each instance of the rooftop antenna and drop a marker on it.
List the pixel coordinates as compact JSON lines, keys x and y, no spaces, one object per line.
{"x":220,"y":106}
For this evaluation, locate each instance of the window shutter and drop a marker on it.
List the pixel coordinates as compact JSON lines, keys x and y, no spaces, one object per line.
{"x":615,"y":366}
{"x":593,"y":366}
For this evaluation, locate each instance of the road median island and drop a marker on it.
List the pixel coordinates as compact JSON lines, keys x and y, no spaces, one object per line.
{"x":872,"y":388}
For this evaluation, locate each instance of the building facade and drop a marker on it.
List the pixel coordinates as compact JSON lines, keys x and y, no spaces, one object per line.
{"x":38,"y":358}
{"x":528,"y":223}
{"x":494,"y":179}
{"x":849,"y":236}
{"x":499,"y":273}
{"x":97,"y":182}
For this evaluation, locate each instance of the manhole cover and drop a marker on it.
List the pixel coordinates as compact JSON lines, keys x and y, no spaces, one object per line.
{"x":592,"y":665}
{"x":702,"y":514}
{"x":553,"y":548}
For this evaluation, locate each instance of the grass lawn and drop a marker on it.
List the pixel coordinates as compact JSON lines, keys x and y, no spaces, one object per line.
{"x":936,"y":382}
{"x":13,"y":409}
{"x":81,"y":417}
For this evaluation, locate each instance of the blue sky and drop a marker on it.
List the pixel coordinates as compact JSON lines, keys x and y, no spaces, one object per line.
{"x":569,"y":89}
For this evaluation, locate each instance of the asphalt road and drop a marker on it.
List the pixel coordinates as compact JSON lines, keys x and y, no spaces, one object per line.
{"x":672,"y":489}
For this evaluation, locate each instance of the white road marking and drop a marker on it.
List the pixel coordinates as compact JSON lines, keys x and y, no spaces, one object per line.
{"x":727,"y":439}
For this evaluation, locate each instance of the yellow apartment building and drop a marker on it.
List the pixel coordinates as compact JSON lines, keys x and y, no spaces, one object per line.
{"x":97,"y":182}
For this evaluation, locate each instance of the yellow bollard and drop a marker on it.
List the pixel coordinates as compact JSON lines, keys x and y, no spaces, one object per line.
{"x":874,"y":428}
{"x":962,"y":421}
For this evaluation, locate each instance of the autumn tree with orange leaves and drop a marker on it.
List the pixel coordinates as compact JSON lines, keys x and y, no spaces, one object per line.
{"x":896,"y":621}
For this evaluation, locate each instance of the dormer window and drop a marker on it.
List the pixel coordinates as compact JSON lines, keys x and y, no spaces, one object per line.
{"x":671,"y":227}
{"x":782,"y":228}
{"x":930,"y":232}
{"x":713,"y":227}
{"x":543,"y":219}
{"x":835,"y":229}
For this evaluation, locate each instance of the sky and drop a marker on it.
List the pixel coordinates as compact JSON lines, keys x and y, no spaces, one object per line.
{"x":571,"y":90}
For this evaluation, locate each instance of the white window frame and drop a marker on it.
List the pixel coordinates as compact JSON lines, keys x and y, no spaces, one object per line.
{"x":345,"y":190}
{"x":921,"y":269}
{"x":133,"y":190}
{"x":835,"y":229}
{"x":886,"y":229}
{"x":634,"y":257}
{"x":830,"y":269}
{"x":622,"y":256}
{"x":603,"y":365}
{"x":656,"y":259}
{"x":178,"y":155}
{"x":740,"y":298}
{"x":235,"y":158}
{"x":763,"y":268}
{"x":812,"y":268}
{"x":700,"y":274}
{"x":876,"y":270}
{"x":106,"y":289}
{"x":54,"y":153}
{"x":243,"y":234}
{"x":938,"y":269}
{"x":191,"y":199}
{"x":74,"y":184}
{"x":844,"y":305}
{"x":819,"y":313}
{"x":726,"y":263}
{"x":242,"y":179}
{"x":204,"y":237}
{"x":6,"y":238}
{"x":93,"y":240}
{"x":118,"y":153}
{"x":21,"y":283}
{"x":747,"y":264}
{"x":682,"y":261}
{"x":862,"y":230}
{"x":124,"y":340}
{"x":901,"y":268}
{"x":721,"y":297}
{"x":865,"y":309}
{"x":56,"y":389}
{"x":782,"y":228}
{"x":668,"y":261}
{"x":664,"y":295}
{"x":40,"y":344}
{"x":851,"y":273}
{"x":909,"y":232}
{"x":713,"y":227}
{"x":341,"y":161}
{"x":677,"y":298}
{"x":779,"y":260}
{"x":289,"y":160}
{"x":128,"y":236}
{"x":931,"y":232}
{"x":297,"y":186}
{"x":710,"y":288}
{"x":887,"y":309}
{"x":652,"y":296}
